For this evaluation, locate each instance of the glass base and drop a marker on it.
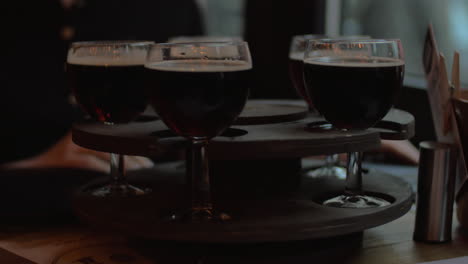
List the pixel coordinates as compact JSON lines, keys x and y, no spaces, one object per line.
{"x":356,"y":201}
{"x":200,"y":216}
{"x":320,"y":126}
{"x":120,"y":190}
{"x":327,"y":171}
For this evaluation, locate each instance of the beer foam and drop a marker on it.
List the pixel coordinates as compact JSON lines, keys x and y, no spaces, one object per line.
{"x":200,"y":65}
{"x":355,"y":62}
{"x":136,"y":57}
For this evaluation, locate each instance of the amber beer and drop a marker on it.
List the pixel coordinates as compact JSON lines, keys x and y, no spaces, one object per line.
{"x":362,"y":94}
{"x":109,"y":91}
{"x":198,"y":98}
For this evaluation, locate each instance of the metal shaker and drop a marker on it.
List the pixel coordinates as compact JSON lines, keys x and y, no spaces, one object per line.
{"x":435,"y":192}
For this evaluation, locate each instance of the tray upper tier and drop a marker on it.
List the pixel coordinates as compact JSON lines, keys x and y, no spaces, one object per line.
{"x":266,"y":129}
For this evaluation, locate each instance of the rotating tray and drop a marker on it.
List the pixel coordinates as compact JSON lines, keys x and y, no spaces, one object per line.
{"x":266,"y":129}
{"x":290,"y":216}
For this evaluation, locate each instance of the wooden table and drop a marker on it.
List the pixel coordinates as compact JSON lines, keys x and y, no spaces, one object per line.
{"x":388,"y":244}
{"x":391,"y":243}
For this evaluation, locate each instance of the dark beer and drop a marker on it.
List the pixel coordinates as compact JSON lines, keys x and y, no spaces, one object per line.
{"x":109,"y":92}
{"x":351,"y":93}
{"x":197,"y":99}
{"x":296,"y":70}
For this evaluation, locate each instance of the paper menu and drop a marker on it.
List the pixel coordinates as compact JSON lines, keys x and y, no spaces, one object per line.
{"x":439,"y":93}
{"x":456,"y":74}
{"x":438,"y":88}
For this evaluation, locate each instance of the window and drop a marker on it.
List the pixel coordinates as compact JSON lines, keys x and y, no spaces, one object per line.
{"x":408,"y":21}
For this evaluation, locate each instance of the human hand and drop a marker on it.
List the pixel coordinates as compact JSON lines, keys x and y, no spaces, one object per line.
{"x":402,"y":149}
{"x":66,"y":154}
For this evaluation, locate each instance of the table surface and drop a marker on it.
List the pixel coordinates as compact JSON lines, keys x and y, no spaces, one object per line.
{"x":391,"y":243}
{"x":388,"y":244}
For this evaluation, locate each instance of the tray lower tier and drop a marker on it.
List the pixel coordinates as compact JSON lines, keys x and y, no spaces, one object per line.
{"x":276,"y":217}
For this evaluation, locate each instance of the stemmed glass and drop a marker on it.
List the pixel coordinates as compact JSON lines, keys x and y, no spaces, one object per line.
{"x":197,"y":90}
{"x":297,"y":49}
{"x":106,"y":78}
{"x":353,"y":84}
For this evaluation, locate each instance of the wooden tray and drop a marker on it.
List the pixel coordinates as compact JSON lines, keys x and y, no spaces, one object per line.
{"x":255,"y":168}
{"x":267,"y":129}
{"x":286,"y":217}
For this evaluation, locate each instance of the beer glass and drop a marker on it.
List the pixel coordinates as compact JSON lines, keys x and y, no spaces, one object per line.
{"x":353,"y":84}
{"x":197,"y":90}
{"x":297,"y":48}
{"x":106,"y":78}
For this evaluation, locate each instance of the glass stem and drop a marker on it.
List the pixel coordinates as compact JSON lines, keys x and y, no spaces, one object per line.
{"x":353,"y":174}
{"x":117,"y":170}
{"x":199,"y":171}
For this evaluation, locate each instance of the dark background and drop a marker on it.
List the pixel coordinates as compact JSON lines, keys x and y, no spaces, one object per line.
{"x":35,"y":108}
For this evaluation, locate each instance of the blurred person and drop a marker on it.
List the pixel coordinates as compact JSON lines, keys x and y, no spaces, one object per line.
{"x":35,"y":103}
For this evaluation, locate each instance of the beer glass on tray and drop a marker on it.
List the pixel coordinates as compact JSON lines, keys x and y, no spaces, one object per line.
{"x":197,"y":90}
{"x":106,"y":78}
{"x":353,"y":84}
{"x":297,"y":48}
